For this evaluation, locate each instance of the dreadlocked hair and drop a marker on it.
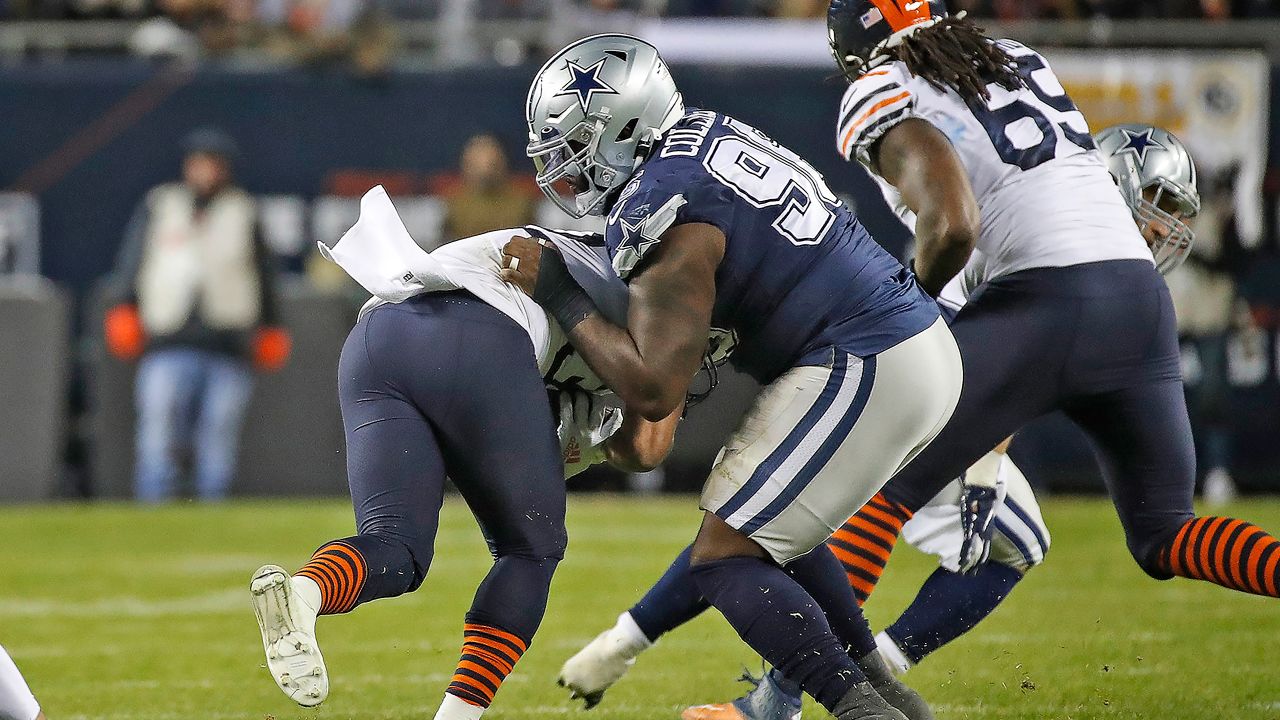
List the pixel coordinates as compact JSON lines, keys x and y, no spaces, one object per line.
{"x":956,"y":53}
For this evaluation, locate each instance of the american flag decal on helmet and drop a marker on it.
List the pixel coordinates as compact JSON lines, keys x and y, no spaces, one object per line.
{"x":871,"y":17}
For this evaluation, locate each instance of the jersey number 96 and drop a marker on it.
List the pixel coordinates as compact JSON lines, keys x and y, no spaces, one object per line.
{"x":766,"y":174}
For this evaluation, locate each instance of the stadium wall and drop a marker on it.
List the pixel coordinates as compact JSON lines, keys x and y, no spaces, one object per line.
{"x":88,"y":137}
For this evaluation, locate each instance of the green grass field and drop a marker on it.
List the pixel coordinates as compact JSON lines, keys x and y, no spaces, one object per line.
{"x":116,"y":612}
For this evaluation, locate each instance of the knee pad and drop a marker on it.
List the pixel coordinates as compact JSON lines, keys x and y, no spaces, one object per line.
{"x":548,"y":546}
{"x":1020,"y":543}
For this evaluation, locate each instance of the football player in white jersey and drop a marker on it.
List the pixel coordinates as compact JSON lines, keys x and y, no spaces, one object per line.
{"x":980,"y":147}
{"x":1157,"y":178}
{"x":446,"y":373}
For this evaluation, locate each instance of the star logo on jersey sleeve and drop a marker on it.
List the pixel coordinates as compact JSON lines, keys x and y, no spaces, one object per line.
{"x":631,"y":245}
{"x":639,"y":232}
{"x":1139,"y":143}
{"x":585,"y":83}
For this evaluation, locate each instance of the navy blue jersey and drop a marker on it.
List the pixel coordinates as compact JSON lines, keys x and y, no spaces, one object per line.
{"x":800,"y":274}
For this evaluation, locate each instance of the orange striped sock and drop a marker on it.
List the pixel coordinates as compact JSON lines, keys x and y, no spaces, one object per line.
{"x":1227,"y":552}
{"x":339,"y":570}
{"x":864,"y":542}
{"x":488,"y":654}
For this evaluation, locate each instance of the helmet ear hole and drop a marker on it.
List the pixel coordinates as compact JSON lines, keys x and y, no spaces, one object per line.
{"x":627,"y":130}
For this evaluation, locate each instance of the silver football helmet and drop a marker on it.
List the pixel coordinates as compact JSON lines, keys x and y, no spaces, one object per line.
{"x":595,"y":109}
{"x":1157,"y":178}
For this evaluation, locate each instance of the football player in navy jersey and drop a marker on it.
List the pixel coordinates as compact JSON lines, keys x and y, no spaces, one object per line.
{"x":712,"y":224}
{"x":1152,"y":169}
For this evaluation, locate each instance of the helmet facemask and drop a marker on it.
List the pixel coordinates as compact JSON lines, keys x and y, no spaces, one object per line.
{"x":1157,"y":179}
{"x":569,"y":170}
{"x":594,"y":111}
{"x":1169,"y":236}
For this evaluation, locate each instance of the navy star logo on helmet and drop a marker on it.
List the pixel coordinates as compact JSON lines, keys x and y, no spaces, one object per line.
{"x":585,"y":82}
{"x":1139,"y":143}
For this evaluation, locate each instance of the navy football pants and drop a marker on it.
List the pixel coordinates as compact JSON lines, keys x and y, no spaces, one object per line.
{"x":445,"y":385}
{"x":1099,"y":342}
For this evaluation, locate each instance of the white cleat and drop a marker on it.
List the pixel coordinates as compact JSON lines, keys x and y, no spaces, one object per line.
{"x":288,"y":625}
{"x":603,"y":661}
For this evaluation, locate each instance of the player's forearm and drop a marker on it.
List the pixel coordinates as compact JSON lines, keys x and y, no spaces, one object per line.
{"x":942,"y":249}
{"x":917,"y":158}
{"x":646,"y":384}
{"x":640,"y":445}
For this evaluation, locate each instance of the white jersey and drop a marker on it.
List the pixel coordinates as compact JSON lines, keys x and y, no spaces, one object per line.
{"x":1045,"y":195}
{"x":379,"y":254}
{"x":474,"y":264}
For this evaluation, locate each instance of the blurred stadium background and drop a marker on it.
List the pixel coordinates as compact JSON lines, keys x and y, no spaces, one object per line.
{"x":326,"y":98}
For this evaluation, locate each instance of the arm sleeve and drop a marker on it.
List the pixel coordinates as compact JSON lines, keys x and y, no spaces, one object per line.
{"x":874,"y":103}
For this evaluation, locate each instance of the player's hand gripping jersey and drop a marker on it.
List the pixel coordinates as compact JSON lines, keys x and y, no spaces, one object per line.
{"x":380,"y":255}
{"x":1045,"y":195}
{"x":800,"y":274}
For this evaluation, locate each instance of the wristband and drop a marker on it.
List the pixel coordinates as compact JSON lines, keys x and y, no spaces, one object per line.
{"x":557,"y":291}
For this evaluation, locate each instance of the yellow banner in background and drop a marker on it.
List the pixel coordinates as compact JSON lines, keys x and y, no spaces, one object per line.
{"x":1214,"y":101}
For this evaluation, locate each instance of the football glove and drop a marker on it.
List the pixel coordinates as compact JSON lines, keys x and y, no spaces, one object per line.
{"x":586,"y":421}
{"x":982,"y":493}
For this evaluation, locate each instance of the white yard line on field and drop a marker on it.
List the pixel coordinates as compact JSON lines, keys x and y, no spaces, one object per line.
{"x":222,"y":601}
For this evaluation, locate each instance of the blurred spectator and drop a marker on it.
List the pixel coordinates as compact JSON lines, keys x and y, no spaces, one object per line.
{"x":197,"y":307}
{"x":183,"y":29}
{"x":1205,"y":297}
{"x":488,"y":198}
{"x":314,"y":31}
{"x":307,"y":32}
{"x":800,"y":9}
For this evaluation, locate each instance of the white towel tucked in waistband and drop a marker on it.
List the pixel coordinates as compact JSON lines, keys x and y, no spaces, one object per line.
{"x":379,"y":253}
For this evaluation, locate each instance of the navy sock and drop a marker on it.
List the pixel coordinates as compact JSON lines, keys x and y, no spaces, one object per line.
{"x":948,"y":606}
{"x":823,"y":577}
{"x":672,"y":601}
{"x":782,"y":622}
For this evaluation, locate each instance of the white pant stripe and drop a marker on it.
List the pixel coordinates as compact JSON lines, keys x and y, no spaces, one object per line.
{"x":786,"y":473}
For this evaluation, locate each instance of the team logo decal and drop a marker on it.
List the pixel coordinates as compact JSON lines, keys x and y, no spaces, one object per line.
{"x":585,"y":83}
{"x":1139,"y":143}
{"x":630,"y":230}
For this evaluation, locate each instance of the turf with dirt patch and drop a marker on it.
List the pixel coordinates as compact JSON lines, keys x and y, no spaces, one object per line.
{"x":117,"y":612}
